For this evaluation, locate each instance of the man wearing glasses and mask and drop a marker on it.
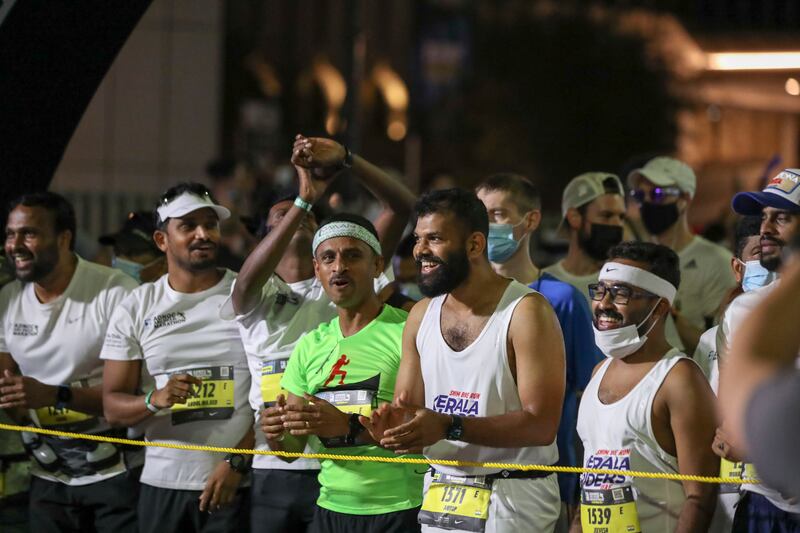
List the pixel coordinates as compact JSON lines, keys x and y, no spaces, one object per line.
{"x":648,"y":407}
{"x":664,"y":189}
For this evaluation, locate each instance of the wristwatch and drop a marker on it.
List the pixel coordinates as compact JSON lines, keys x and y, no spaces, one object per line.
{"x":238,"y":462}
{"x":456,"y":429}
{"x":63,"y":396}
{"x":355,"y":430}
{"x":347,"y":160}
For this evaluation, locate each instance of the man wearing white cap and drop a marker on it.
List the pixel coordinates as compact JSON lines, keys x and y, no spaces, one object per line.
{"x":648,"y":407}
{"x":779,"y":207}
{"x":664,"y":189}
{"x":172,"y":326}
{"x":277,"y":299}
{"x":593,"y":207}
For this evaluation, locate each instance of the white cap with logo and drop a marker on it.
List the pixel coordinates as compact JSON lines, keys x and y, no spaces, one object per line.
{"x":587,"y":187}
{"x":666,"y":172}
{"x":782,"y":192}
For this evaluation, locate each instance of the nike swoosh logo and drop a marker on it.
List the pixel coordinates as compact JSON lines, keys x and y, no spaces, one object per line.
{"x":610,"y":269}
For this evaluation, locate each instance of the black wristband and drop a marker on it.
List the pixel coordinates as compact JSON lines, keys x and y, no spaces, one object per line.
{"x":355,"y":429}
{"x":347,"y":160}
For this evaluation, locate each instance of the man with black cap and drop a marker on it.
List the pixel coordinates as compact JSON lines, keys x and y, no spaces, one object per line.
{"x":778,"y":204}
{"x":664,"y":189}
{"x":277,"y":299}
{"x":201,"y":377}
{"x":135,"y":252}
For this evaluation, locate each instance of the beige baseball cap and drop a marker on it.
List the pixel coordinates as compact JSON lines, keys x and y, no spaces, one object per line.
{"x":666,"y":172}
{"x":586,"y":187}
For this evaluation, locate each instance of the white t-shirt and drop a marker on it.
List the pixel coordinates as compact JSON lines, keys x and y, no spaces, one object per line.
{"x":284,"y":313}
{"x":706,"y":278}
{"x":582,"y":284}
{"x":734,"y":317}
{"x":174,"y":332}
{"x":58,"y":343}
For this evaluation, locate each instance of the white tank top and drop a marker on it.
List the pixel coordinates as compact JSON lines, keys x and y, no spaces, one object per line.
{"x":619,"y":436}
{"x":475,"y":382}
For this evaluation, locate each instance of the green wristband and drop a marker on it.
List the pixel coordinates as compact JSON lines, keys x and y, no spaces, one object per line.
{"x":150,"y":407}
{"x":302,"y":204}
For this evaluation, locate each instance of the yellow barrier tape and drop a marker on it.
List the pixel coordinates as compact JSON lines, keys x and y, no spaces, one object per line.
{"x":377,"y":459}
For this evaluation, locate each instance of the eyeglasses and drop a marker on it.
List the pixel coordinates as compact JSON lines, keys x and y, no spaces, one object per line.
{"x":195,"y":188}
{"x":657,"y":195}
{"x":620,"y":294}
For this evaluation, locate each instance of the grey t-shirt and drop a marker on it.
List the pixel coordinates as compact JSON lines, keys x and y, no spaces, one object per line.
{"x":772,"y":424}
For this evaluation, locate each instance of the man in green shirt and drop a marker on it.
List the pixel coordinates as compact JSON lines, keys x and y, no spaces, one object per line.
{"x":342,"y":370}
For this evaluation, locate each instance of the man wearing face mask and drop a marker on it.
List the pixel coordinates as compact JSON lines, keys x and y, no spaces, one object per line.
{"x":514,"y":209}
{"x":593,"y":207}
{"x":648,"y":407}
{"x":779,"y":207}
{"x":135,"y":252}
{"x":664,"y":189}
{"x":748,"y":272}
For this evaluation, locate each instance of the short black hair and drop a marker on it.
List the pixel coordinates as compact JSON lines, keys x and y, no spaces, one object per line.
{"x":355,"y":219}
{"x":465,"y":205}
{"x":62,"y":211}
{"x":523,"y":192}
{"x":176,"y":190}
{"x":660,"y":260}
{"x":746,"y":227}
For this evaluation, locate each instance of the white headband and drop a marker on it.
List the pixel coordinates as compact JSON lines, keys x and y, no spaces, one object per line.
{"x":638,"y":278}
{"x":186,"y":203}
{"x":342,"y":228}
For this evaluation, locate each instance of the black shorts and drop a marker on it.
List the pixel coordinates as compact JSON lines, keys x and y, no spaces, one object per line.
{"x":326,"y":521}
{"x":178,"y":511}
{"x":283,"y":500}
{"x":105,"y":506}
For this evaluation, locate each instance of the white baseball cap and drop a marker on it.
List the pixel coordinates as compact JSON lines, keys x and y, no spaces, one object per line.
{"x":586,"y":187}
{"x":187,"y":202}
{"x":666,"y":172}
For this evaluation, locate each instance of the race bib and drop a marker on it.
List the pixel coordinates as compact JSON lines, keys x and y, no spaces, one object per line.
{"x":728,"y":469}
{"x":456,"y":502}
{"x":211,"y":400}
{"x":361,"y":402}
{"x":271,"y":374}
{"x":54,"y":417}
{"x":609,"y":511}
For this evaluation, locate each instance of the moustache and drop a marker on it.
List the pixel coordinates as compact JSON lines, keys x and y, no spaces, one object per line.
{"x":609,"y":314}
{"x":203,"y":244}
{"x":340,"y":277}
{"x":774,"y":240}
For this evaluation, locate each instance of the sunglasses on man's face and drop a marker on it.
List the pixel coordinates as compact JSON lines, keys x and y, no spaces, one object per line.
{"x":656,"y":195}
{"x":200,"y":191}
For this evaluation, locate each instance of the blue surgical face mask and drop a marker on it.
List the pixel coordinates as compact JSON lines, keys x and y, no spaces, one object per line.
{"x":502,"y":243}
{"x":131,"y":268}
{"x":756,"y":276}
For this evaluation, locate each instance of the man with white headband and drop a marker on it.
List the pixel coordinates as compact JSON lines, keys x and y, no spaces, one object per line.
{"x":342,"y":370}
{"x":172,"y":327}
{"x":648,"y":407}
{"x":277,"y":299}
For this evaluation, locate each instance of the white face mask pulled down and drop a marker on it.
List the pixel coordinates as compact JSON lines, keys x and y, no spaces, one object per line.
{"x":619,"y":343}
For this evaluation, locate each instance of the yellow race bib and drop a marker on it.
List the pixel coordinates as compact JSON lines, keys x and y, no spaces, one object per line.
{"x":609,"y":511}
{"x":456,"y":502}
{"x":728,"y":469}
{"x":271,"y":374}
{"x":213,"y":399}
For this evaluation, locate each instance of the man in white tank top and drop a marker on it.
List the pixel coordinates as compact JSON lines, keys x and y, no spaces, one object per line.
{"x":484,"y":355}
{"x":647,"y":408}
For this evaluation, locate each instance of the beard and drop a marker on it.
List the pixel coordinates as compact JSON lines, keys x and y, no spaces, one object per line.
{"x":42,"y":265}
{"x":194,"y":264}
{"x":773,"y":262}
{"x":451,"y":273}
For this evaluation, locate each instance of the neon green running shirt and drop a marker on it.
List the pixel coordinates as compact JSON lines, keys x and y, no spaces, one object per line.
{"x":356,"y":373}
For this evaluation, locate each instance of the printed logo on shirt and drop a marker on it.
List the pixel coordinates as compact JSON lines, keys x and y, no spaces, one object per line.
{"x":282,"y":299}
{"x":606,"y":460}
{"x":460,"y":403}
{"x":337,"y":371}
{"x":167,"y":319}
{"x":26,"y":330}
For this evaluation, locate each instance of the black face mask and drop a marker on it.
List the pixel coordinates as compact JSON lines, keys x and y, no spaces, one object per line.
{"x":658,"y":218}
{"x":602,"y":237}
